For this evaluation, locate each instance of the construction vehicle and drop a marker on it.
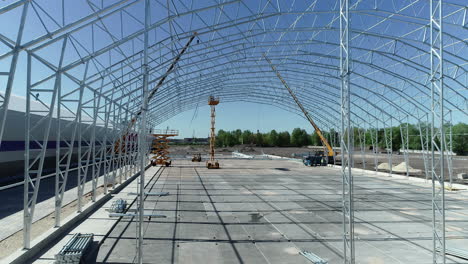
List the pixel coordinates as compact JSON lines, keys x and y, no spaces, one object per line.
{"x":330,"y":153}
{"x":155,"y":162}
{"x":160,"y":146}
{"x":212,"y":163}
{"x":196,"y":157}
{"x":318,"y":159}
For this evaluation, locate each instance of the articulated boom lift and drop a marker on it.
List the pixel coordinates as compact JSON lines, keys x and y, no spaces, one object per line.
{"x":330,"y":152}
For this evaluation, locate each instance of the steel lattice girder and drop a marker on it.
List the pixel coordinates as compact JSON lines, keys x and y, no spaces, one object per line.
{"x":400,"y":65}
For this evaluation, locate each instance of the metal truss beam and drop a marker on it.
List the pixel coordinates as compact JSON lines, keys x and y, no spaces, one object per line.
{"x":5,"y":98}
{"x":89,"y":73}
{"x":346,"y":136}
{"x":437,"y":131}
{"x":34,"y":158}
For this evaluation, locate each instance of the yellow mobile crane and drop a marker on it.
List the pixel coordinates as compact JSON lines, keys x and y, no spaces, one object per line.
{"x":330,"y":152}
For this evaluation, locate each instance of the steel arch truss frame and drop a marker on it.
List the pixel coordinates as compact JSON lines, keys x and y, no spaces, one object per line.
{"x":347,"y":132}
{"x":437,"y":131}
{"x":95,"y":85}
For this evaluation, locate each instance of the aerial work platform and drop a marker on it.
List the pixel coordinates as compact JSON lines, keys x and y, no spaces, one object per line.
{"x":211,"y":163}
{"x":160,"y":146}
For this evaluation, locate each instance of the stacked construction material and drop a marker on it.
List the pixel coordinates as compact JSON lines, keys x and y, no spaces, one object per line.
{"x":118,"y":206}
{"x":75,"y":248}
{"x":313,"y":258}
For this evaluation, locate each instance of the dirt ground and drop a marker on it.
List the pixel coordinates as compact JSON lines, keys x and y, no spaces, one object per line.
{"x":279,"y":151}
{"x":15,"y":241}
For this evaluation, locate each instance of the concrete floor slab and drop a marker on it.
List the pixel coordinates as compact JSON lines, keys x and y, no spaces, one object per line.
{"x":252,"y":212}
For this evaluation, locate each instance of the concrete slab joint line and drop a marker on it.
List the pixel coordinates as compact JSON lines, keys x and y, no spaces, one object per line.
{"x":256,"y":216}
{"x":151,"y":194}
{"x":460,"y":253}
{"x":136,"y":214}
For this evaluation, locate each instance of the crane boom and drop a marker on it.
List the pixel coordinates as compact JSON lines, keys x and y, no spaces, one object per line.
{"x":132,"y":122}
{"x":309,"y":118}
{"x":161,"y":81}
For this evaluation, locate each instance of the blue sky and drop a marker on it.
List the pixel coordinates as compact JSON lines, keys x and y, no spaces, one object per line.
{"x":231,"y":116}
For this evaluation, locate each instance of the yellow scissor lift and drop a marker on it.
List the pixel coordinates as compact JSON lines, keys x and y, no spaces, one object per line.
{"x":160,"y":146}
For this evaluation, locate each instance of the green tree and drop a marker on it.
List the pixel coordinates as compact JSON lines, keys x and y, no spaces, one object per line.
{"x":414,"y":137}
{"x":315,"y":139}
{"x":299,"y":137}
{"x":221,"y":138}
{"x":381,"y":136}
{"x":356,"y":137}
{"x":259,"y":139}
{"x":370,"y":133}
{"x":247,"y":137}
{"x":284,"y":139}
{"x":415,"y":140}
{"x":237,"y":135}
{"x":295,"y":137}
{"x":230,"y":139}
{"x":460,"y":138}
{"x":273,"y":138}
{"x":396,"y":138}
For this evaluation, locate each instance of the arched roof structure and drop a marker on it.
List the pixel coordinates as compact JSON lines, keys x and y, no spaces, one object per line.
{"x":362,"y":63}
{"x":389,"y":53}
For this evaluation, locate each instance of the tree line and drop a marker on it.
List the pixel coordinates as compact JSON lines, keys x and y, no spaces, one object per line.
{"x":299,"y":137}
{"x":414,"y":131}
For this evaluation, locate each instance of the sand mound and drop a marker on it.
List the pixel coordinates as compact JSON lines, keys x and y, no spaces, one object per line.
{"x":383,"y":166}
{"x":402,"y":168}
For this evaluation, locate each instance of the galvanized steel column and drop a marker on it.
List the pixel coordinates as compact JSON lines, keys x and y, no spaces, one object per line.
{"x":437,"y":131}
{"x":346,"y":136}
{"x":143,"y":134}
{"x":404,"y":134}
{"x":11,"y":74}
{"x":82,"y":172}
{"x":34,"y":169}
